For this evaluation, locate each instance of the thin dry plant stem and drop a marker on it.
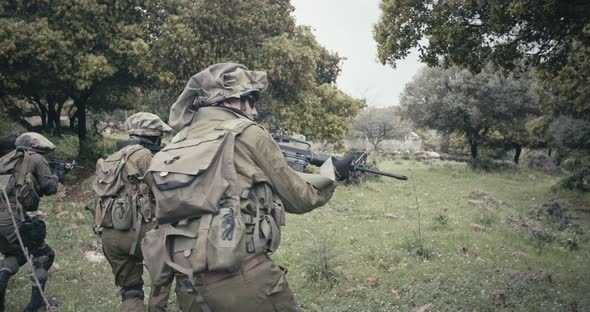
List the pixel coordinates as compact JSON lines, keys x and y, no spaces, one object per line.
{"x":418,"y":210}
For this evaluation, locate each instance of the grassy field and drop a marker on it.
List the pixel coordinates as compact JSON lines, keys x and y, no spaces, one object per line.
{"x":450,"y":238}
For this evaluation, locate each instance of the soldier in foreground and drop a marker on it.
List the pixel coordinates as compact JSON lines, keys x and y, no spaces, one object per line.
{"x":25,"y":175}
{"x":124,"y":211}
{"x":222,"y":190}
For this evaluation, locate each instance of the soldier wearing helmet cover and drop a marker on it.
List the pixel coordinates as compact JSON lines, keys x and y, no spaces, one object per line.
{"x":25,"y":168}
{"x":216,"y":96}
{"x":120,"y":242}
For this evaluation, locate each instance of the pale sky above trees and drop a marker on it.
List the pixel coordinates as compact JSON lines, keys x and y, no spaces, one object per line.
{"x":346,"y":27}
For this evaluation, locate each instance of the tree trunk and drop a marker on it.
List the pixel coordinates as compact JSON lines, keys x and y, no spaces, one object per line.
{"x":473,"y":144}
{"x":50,"y":113}
{"x":517,"y":151}
{"x":42,"y":112}
{"x":81,"y":114}
{"x":58,"y":117}
{"x":72,"y":117}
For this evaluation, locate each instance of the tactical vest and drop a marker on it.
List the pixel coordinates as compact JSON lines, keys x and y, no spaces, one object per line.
{"x":202,"y":224}
{"x":122,"y":201}
{"x":17,"y":180}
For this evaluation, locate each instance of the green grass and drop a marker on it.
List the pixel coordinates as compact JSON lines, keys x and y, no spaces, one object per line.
{"x":370,"y":231}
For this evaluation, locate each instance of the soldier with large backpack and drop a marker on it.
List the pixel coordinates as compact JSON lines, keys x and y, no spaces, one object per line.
{"x":25,"y":176}
{"x":222,"y":189}
{"x":124,"y":211}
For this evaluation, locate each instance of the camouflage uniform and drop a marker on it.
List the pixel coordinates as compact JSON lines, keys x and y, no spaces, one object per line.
{"x":127,"y":267}
{"x":260,"y":284}
{"x":32,"y":229}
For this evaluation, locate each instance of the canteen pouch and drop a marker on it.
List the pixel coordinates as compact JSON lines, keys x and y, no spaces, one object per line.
{"x":270,"y":225}
{"x":189,"y":245}
{"x":191,"y":177}
{"x":142,"y":200}
{"x":28,"y":195}
{"x":33,"y":232}
{"x":155,"y":253}
{"x":122,"y":213}
{"x":102,"y":212}
{"x":226,"y":241}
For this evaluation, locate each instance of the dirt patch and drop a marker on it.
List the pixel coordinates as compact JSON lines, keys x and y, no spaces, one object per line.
{"x":484,"y":200}
{"x":526,"y":277}
{"x":79,"y":188}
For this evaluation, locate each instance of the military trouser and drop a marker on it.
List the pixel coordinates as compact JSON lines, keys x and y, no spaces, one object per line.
{"x":33,"y":234}
{"x":128,"y":268}
{"x":261,"y":289}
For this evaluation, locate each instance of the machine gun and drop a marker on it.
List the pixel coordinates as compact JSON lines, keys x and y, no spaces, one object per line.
{"x":60,"y":167}
{"x":299,"y":155}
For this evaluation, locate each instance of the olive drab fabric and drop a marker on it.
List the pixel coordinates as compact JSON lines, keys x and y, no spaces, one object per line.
{"x":267,"y":188}
{"x":18,"y":179}
{"x":217,"y":239}
{"x":28,"y":172}
{"x":196,"y":178}
{"x":34,"y":141}
{"x":212,"y":85}
{"x":124,"y":211}
{"x":124,"y":217}
{"x":146,"y":124}
{"x":114,"y":189}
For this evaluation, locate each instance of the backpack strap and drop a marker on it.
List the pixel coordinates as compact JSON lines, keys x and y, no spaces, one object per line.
{"x":23,"y":168}
{"x":22,"y":174}
{"x":237,"y":125}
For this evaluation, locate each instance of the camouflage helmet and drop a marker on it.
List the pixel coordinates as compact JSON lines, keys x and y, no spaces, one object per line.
{"x":146,"y":124}
{"x":35,"y":142}
{"x":212,"y":85}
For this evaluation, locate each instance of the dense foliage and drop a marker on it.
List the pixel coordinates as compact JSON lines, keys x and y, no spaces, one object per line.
{"x":103,"y":55}
{"x":552,"y":36}
{"x":455,"y":100}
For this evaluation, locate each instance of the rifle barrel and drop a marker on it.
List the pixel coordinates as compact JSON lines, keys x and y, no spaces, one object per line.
{"x":391,"y":175}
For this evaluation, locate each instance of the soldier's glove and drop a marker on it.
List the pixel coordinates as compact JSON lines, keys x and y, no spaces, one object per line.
{"x":343,"y":166}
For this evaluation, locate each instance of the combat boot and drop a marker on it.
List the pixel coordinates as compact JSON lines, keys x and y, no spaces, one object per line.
{"x":132,"y":299}
{"x":4,"y":278}
{"x":37,"y":301}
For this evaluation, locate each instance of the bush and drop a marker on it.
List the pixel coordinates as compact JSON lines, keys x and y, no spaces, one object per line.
{"x":321,"y":262}
{"x":538,"y":160}
{"x":488,"y":164}
{"x":572,"y":137}
{"x":578,"y":164}
{"x":416,"y":247}
{"x":550,"y":224}
{"x":442,"y":218}
{"x":94,"y":148}
{"x":487,"y":218}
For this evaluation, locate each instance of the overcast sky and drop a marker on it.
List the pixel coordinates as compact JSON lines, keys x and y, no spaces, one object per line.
{"x":346,"y":27}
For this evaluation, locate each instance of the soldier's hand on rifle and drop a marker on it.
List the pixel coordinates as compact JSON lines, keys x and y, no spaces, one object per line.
{"x":343,"y":167}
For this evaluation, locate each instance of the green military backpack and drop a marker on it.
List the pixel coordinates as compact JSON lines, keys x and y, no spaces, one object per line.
{"x":116,"y":206}
{"x":15,"y":178}
{"x":197,"y":206}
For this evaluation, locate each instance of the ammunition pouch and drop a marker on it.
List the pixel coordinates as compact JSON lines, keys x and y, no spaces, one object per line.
{"x":33,"y":232}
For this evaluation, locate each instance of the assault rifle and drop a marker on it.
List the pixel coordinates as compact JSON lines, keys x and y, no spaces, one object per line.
{"x":299,"y":155}
{"x":60,"y":167}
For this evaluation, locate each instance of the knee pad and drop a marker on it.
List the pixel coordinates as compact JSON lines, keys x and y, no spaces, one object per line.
{"x":41,"y":274}
{"x":43,"y":257}
{"x":11,"y":264}
{"x":135,"y":292}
